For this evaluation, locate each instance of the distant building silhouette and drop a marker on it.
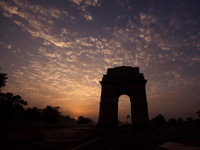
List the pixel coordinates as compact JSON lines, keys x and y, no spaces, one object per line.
{"x":118,"y":81}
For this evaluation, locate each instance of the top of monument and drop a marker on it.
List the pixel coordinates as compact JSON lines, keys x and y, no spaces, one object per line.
{"x":123,"y":74}
{"x":123,"y":69}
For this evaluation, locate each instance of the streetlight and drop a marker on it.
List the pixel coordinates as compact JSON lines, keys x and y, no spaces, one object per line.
{"x":128,"y":119}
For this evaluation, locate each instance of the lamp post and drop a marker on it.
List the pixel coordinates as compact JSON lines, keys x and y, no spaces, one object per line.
{"x":128,"y":119}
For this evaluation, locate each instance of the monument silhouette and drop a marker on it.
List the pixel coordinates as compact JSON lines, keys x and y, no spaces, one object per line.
{"x":119,"y":81}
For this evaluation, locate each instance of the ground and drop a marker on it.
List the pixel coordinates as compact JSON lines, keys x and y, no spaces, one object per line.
{"x":90,"y":138}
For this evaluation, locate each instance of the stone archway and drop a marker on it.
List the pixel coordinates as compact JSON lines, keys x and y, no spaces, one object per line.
{"x":118,"y":81}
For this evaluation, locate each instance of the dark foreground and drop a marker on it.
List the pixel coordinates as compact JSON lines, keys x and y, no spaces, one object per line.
{"x":90,"y":138}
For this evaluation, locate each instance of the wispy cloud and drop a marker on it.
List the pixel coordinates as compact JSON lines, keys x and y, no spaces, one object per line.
{"x":37,"y":20}
{"x":82,"y":5}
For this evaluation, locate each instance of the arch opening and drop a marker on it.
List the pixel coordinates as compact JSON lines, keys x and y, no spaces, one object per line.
{"x":124,"y":110}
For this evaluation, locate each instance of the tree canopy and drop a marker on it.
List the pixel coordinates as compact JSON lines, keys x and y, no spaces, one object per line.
{"x":3,"y":78}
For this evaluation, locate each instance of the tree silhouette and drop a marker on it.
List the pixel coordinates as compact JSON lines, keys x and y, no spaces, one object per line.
{"x":11,"y":106}
{"x":198,"y":113}
{"x":172,"y":121}
{"x":33,"y":113}
{"x":159,"y":120}
{"x":180,"y":121}
{"x":3,"y":78}
{"x":83,"y":120}
{"x":51,"y":114}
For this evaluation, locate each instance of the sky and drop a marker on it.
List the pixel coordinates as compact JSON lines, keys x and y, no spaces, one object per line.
{"x":56,"y":52}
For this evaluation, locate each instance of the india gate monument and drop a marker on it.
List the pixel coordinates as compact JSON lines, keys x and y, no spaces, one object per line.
{"x":119,"y":81}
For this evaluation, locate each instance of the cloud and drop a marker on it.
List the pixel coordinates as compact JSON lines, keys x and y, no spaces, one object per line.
{"x":196,"y":59}
{"x":77,"y":2}
{"x":86,"y":3}
{"x":39,"y":19}
{"x":82,"y":5}
{"x":88,"y":16}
